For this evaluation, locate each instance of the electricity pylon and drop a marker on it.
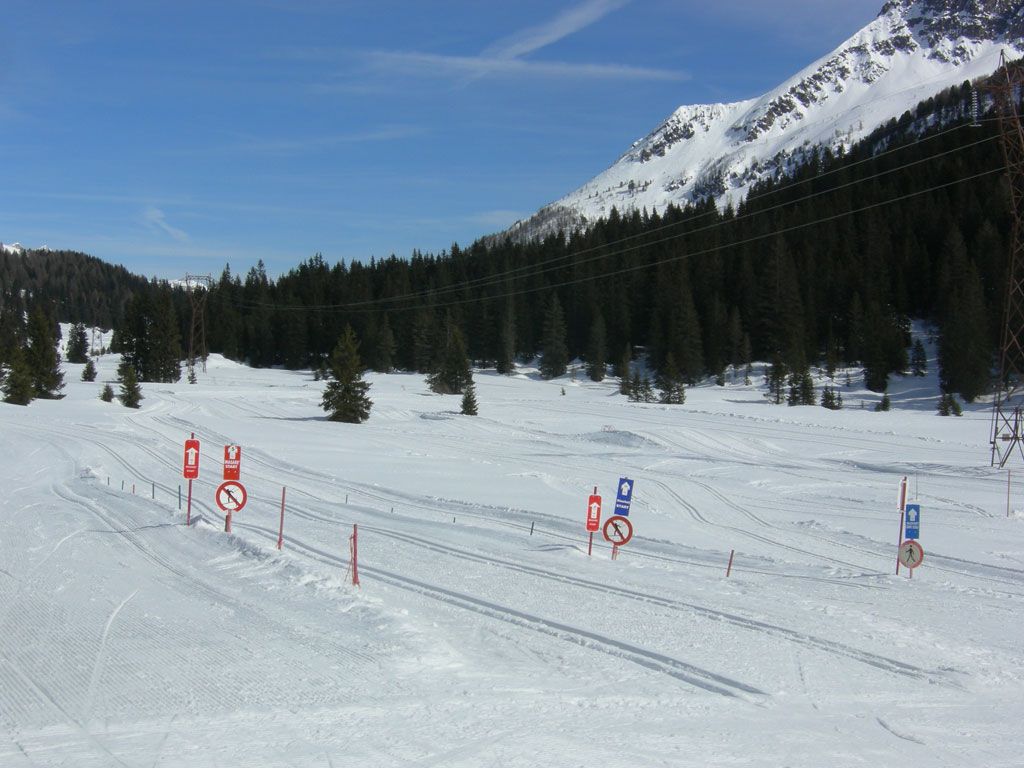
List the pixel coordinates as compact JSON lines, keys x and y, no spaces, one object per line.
{"x":1007,"y":421}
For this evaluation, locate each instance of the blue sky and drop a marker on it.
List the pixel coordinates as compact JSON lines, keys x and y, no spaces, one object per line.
{"x":175,"y":137}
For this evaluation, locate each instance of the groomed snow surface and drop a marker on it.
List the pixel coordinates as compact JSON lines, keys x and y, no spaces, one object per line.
{"x":128,"y":639}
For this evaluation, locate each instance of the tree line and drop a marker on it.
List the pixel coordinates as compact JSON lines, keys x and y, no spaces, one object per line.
{"x":825,"y":266}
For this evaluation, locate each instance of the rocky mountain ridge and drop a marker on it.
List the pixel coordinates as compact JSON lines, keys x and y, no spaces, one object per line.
{"x":912,"y":50}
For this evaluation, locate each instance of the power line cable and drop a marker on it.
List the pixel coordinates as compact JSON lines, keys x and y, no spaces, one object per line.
{"x":538,"y":269}
{"x":637,"y":267}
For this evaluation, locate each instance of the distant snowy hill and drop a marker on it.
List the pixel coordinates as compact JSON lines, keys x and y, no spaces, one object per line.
{"x":911,"y":51}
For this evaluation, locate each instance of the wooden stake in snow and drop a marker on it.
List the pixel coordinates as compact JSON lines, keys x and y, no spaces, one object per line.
{"x":354,"y":546}
{"x":280,"y":530}
{"x":728,"y":570}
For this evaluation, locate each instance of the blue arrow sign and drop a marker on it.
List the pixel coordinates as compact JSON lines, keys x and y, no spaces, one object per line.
{"x":912,"y":521}
{"x":624,"y":496}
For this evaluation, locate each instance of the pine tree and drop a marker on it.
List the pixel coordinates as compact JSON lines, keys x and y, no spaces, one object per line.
{"x":469,"y":400}
{"x":131,"y":392}
{"x":89,"y":372}
{"x":622,"y":370}
{"x":42,"y":357}
{"x":646,"y":390}
{"x":452,"y":372}
{"x":596,"y":350}
{"x":107,"y":394}
{"x":78,"y":344}
{"x":948,"y":405}
{"x":505,"y":363}
{"x":965,"y":353}
{"x":776,"y":379}
{"x":831,"y":398}
{"x":805,"y":388}
{"x":424,"y":329}
{"x":18,"y":388}
{"x":345,"y":397}
{"x":673,"y":389}
{"x":635,"y":389}
{"x":884,"y":404}
{"x":554,"y":358}
{"x":919,"y":359}
{"x":384,"y":352}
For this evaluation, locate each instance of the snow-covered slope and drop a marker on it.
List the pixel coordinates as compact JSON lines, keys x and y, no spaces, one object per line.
{"x":912,"y":50}
{"x":482,"y":633}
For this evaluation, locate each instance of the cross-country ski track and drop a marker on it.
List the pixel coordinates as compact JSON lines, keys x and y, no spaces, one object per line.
{"x":482,"y":633}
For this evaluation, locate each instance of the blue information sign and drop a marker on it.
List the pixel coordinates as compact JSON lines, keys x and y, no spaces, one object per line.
{"x":912,"y":521}
{"x":624,"y":497}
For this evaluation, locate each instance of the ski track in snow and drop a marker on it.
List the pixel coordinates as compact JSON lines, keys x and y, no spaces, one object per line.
{"x":130,"y":639}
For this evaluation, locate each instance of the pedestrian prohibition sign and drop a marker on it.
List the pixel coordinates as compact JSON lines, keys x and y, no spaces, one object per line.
{"x":231,"y":496}
{"x":911,"y":553}
{"x":617,"y":530}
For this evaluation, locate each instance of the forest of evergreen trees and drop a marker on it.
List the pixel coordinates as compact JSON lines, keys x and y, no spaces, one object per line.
{"x":826,"y":266}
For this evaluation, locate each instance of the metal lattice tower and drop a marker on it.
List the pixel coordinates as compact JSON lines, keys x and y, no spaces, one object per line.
{"x":1007,"y":422}
{"x":198,"y":287}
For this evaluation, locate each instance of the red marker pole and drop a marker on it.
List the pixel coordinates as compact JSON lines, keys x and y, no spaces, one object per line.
{"x":728,"y":570}
{"x":188,"y":512}
{"x":355,"y":555}
{"x":280,"y":530}
{"x":615,"y":551}
{"x":903,"y":506}
{"x":227,"y":522}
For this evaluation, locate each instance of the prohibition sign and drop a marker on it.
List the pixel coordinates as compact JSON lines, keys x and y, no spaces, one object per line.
{"x":911,"y":553}
{"x":617,"y":530}
{"x":231,"y":496}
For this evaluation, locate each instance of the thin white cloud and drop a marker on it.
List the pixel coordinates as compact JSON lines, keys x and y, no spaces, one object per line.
{"x":313,"y":143}
{"x":564,"y":24}
{"x":156,"y":219}
{"x":507,"y":57}
{"x":432,"y":64}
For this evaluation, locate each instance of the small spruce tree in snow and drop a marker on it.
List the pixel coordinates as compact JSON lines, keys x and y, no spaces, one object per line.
{"x":107,"y":394}
{"x":831,"y":398}
{"x":948,"y":405}
{"x":673,"y":389}
{"x":646,"y":390}
{"x":131,"y":393}
{"x":633,"y":386}
{"x":78,"y":344}
{"x":89,"y":372}
{"x":18,"y":388}
{"x":469,"y":400}
{"x":918,"y":359}
{"x":345,"y":397}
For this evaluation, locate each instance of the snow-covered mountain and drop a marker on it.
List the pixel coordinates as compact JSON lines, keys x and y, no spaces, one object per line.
{"x":912,"y":50}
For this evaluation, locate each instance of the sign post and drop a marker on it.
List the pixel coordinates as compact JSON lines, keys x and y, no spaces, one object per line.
{"x":624,"y":496}
{"x":912,"y":521}
{"x":190,"y":471}
{"x":230,"y":497}
{"x":911,"y":554}
{"x":232,"y":462}
{"x":901,"y":503}
{"x":593,"y":518}
{"x":617,"y":530}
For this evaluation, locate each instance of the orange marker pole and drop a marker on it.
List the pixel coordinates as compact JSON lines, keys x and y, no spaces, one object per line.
{"x":280,"y":530}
